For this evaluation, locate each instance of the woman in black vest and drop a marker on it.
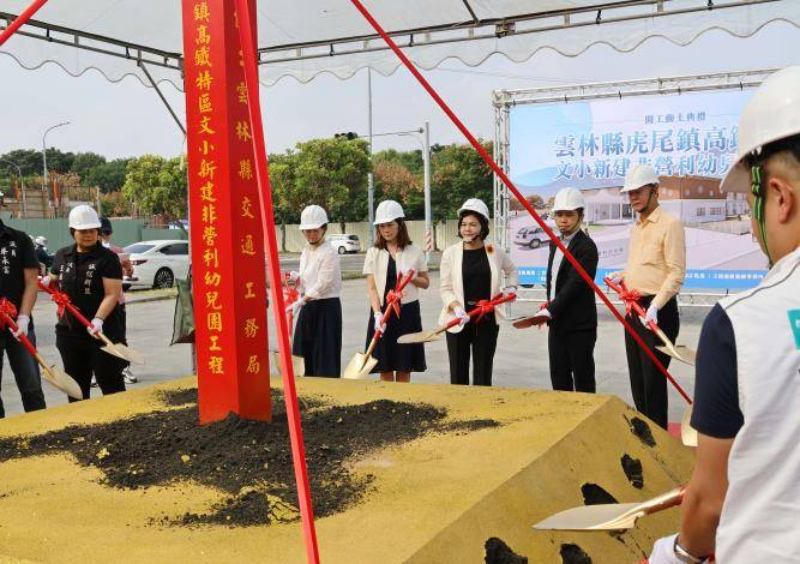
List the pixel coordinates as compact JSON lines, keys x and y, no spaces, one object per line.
{"x":91,"y":275}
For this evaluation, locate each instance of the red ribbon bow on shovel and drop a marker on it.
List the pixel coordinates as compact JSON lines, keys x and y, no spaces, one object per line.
{"x":630,"y":298}
{"x":61,"y":299}
{"x":9,"y":309}
{"x":394,"y":297}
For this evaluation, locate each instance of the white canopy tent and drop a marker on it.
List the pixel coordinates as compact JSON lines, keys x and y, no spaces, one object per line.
{"x":303,"y":39}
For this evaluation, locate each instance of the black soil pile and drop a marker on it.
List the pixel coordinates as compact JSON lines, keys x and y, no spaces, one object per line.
{"x":498,"y":552}
{"x":250,"y":461}
{"x":633,"y":471}
{"x":595,"y":495}
{"x":573,"y":554}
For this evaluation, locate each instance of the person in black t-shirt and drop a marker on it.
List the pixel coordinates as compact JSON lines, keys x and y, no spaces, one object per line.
{"x":470,"y":272}
{"x":19,"y":269}
{"x":91,"y":275}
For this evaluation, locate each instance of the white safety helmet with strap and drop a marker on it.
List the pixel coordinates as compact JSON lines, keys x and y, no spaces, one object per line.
{"x":639,"y":175}
{"x":313,"y":217}
{"x":772,"y":114}
{"x":41,"y":240}
{"x":387,"y":212}
{"x":475,"y":205}
{"x":83,"y":217}
{"x":568,"y":199}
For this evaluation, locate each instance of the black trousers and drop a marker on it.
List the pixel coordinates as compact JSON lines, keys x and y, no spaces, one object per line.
{"x":572,"y":360}
{"x":648,"y":384}
{"x":481,"y":340}
{"x":82,"y":357}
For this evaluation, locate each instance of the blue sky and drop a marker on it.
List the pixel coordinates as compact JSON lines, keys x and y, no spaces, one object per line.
{"x":128,"y":119}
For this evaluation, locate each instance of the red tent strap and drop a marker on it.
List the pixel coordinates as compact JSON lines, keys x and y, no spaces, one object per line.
{"x":512,"y":188}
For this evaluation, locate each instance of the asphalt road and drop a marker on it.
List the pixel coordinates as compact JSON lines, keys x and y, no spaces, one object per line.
{"x":521,"y":359}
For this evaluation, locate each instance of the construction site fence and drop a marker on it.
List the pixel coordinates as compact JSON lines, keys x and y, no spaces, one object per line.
{"x":290,"y":238}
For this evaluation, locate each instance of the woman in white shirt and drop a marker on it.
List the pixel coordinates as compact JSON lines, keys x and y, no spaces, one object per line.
{"x":394,"y":254}
{"x":318,"y":335}
{"x":470,"y":271}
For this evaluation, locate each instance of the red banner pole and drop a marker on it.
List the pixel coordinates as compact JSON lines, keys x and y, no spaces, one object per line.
{"x":246,"y":35}
{"x":21,"y":20}
{"x":506,"y":180}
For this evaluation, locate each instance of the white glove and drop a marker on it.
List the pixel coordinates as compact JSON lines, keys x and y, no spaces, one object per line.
{"x":295,"y":306}
{"x":509,"y":290}
{"x":462,"y":315}
{"x":22,"y":326}
{"x":380,"y":326}
{"x":543,"y":313}
{"x":664,"y":551}
{"x":96,"y":327}
{"x":46,"y":281}
{"x":616,"y":277}
{"x":650,"y":316}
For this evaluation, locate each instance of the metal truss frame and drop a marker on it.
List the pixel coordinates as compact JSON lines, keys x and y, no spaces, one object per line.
{"x":471,"y":28}
{"x":504,"y":100}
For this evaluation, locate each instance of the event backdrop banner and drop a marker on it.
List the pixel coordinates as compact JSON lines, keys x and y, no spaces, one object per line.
{"x":690,"y":139}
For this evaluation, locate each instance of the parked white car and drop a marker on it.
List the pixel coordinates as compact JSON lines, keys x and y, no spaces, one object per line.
{"x":156,"y":264}
{"x":344,"y":243}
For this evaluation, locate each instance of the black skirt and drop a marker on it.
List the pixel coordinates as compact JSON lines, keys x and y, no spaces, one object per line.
{"x":318,"y":337}
{"x":391,"y":356}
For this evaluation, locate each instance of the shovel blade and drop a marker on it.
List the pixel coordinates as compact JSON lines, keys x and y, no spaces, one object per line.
{"x":611,"y":516}
{"x":359,"y":367}
{"x":298,"y":364}
{"x":679,"y":352}
{"x":124,"y":352}
{"x":526,"y":322}
{"x":421,"y":337}
{"x":688,"y":434}
{"x":63,"y":381}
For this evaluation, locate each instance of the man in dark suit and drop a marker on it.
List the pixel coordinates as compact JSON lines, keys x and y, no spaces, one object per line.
{"x":570,"y":309}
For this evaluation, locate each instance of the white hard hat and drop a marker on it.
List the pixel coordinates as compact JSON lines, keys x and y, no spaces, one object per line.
{"x":772,"y":114}
{"x":475,"y":205}
{"x":639,"y":175}
{"x":40,"y":240}
{"x":568,"y":199}
{"x":83,"y":217}
{"x":388,"y":211}
{"x":313,"y":217}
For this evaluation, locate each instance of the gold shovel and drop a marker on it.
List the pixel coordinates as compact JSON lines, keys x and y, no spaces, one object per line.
{"x":298,"y":362}
{"x":119,"y":350}
{"x":611,"y":516}
{"x":53,"y":374}
{"x":482,"y":309}
{"x":362,"y":364}
{"x":688,"y":433}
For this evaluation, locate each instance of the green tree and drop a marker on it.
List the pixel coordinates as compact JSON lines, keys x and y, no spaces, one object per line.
{"x":84,"y":163}
{"x":459,"y":173}
{"x":332,"y":173}
{"x":157,"y":186}
{"x":110,"y":176}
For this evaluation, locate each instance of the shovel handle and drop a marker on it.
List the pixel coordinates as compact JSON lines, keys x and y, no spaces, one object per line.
{"x":664,"y":501}
{"x":69,"y":305}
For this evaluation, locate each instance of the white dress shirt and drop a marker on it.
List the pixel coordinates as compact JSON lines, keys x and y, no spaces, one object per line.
{"x":557,"y":258}
{"x":320,"y":274}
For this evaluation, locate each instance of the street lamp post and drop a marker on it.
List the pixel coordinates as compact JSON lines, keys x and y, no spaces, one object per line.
{"x":44,"y":152}
{"x":21,"y":186}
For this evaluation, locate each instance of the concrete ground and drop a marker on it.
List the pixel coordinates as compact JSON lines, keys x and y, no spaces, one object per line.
{"x":521,"y":360}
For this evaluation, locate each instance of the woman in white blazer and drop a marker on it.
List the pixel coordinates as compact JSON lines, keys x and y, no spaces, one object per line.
{"x":471,"y":271}
{"x":394,"y":254}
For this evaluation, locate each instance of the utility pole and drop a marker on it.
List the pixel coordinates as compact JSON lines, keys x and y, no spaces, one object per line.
{"x":426,"y":160}
{"x":44,"y":157}
{"x":370,"y":177}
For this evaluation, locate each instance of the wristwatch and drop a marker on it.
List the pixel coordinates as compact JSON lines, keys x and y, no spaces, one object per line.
{"x":686,"y":556}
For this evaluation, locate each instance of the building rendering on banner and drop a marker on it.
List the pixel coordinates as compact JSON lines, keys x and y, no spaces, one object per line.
{"x":694,"y":199}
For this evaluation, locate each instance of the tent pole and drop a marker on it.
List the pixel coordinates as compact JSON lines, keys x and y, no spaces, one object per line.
{"x":163,"y":99}
{"x":21,"y":19}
